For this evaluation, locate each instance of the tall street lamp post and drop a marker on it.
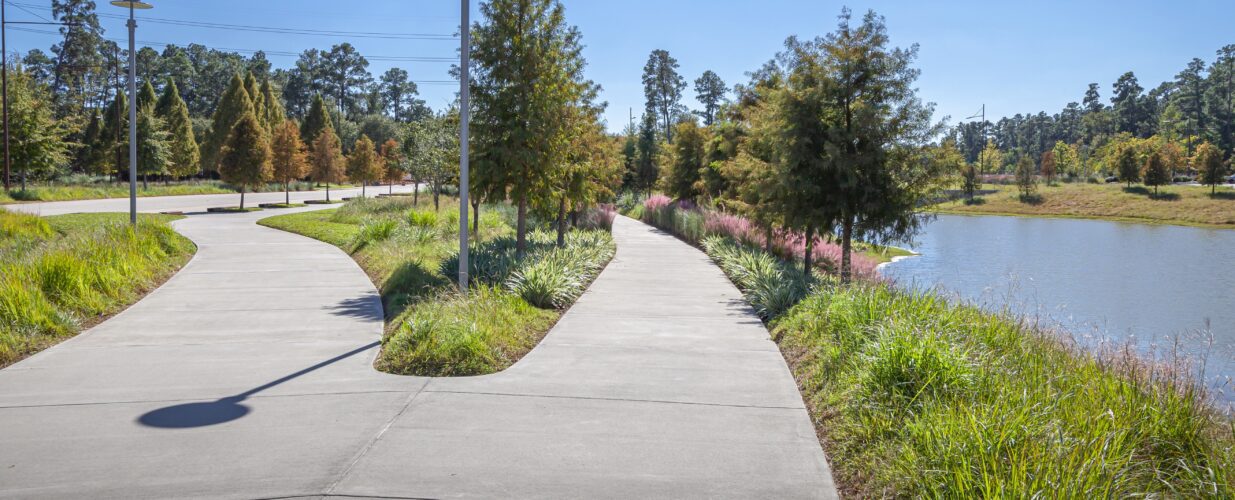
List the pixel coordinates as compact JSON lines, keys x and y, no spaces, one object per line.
{"x":464,"y":80}
{"x":132,"y":6}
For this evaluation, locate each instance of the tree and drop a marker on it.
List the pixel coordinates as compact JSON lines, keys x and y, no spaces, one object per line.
{"x":246,"y":156}
{"x":233,"y":106}
{"x":710,"y":90}
{"x":288,"y":160}
{"x":399,"y":93}
{"x":112,"y":146}
{"x":663,"y":86}
{"x":1129,"y":108}
{"x":78,"y":71}
{"x":345,"y":69}
{"x":649,"y":150}
{"x":273,"y":113}
{"x":990,"y":159}
{"x":853,"y":138}
{"x":392,"y":162}
{"x":316,"y":121}
{"x":255,"y":96}
{"x":146,"y":95}
{"x":37,"y":142}
{"x":1191,"y":95}
{"x":1209,"y":161}
{"x":1048,"y":167}
{"x":1026,"y":178}
{"x":327,"y":160}
{"x":1126,"y":165}
{"x":1156,"y":171}
{"x":1067,"y":162}
{"x":183,"y":154}
{"x":153,"y":145}
{"x":687,"y":161}
{"x":528,"y":74}
{"x":363,"y":165}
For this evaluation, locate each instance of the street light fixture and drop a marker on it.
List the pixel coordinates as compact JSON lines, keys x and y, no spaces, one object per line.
{"x":132,"y":6}
{"x":464,"y":81}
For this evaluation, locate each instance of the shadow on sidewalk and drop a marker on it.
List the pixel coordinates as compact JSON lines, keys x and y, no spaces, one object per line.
{"x":202,"y":414}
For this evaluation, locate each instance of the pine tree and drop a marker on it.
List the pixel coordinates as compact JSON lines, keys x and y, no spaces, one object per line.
{"x":363,"y":165}
{"x":288,"y":156}
{"x":327,"y":160}
{"x":1156,"y":171}
{"x":392,"y":159}
{"x":317,"y":120}
{"x":1126,"y":165}
{"x":274,"y":112}
{"x":245,"y":160}
{"x":185,"y":157}
{"x":153,"y":148}
{"x":87,"y":158}
{"x":233,"y":106}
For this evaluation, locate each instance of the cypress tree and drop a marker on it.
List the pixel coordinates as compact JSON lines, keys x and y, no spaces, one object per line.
{"x":87,"y":158}
{"x":288,"y":156}
{"x":112,"y":145}
{"x":245,"y":160}
{"x":146,"y":95}
{"x":153,"y":149}
{"x":327,"y":161}
{"x":363,"y":165}
{"x":255,"y":95}
{"x":184,"y":154}
{"x":315,"y":122}
{"x":233,"y":106}
{"x":274,"y":114}
{"x":392,"y":160}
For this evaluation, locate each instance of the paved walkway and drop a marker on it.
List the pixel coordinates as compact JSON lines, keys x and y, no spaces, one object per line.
{"x":249,"y":374}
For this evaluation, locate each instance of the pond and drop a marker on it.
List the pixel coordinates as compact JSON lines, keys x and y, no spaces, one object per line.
{"x":1149,"y":284}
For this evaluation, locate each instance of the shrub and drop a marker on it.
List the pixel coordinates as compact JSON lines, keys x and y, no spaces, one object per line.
{"x":770,"y":286}
{"x":372,"y":231}
{"x":422,"y":218}
{"x":455,"y":335}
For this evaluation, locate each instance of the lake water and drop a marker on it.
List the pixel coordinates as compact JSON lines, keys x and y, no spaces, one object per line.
{"x":1096,"y":279}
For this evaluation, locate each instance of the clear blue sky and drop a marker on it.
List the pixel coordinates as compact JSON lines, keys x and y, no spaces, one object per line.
{"x":1015,"y":57}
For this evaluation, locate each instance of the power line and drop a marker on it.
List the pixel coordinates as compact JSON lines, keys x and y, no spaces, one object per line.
{"x":278,"y":53}
{"x":28,"y":11}
{"x":274,"y":29}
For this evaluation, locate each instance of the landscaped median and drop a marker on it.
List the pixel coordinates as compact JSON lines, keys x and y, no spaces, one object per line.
{"x":410,"y":253}
{"x":913,"y":395}
{"x":61,"y":274}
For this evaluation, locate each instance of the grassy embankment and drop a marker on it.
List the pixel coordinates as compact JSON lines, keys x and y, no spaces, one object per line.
{"x":61,"y":274}
{"x":914,"y":396}
{"x":100,"y":190}
{"x":410,"y":253}
{"x":1179,"y":205}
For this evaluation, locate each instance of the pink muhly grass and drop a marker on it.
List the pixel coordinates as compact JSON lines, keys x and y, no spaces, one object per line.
{"x":656,"y":202}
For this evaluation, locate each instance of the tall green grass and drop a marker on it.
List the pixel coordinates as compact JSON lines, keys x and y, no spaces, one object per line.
{"x":411,"y":253}
{"x":52,"y":283}
{"x":920,"y":397}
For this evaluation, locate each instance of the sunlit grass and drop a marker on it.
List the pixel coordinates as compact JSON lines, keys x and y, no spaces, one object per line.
{"x":1184,"y":205}
{"x":61,"y":273}
{"x":411,"y":254}
{"x":100,"y":190}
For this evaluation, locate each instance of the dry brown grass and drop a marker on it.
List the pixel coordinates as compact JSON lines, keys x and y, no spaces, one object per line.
{"x":1181,"y":205}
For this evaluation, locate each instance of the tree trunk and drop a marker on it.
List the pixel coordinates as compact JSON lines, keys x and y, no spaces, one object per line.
{"x":561,"y":222}
{"x":392,"y":187}
{"x":806,"y":256}
{"x":574,"y":218}
{"x":242,"y":197}
{"x":416,"y":194}
{"x":521,"y":229}
{"x":327,"y":191}
{"x":145,"y":182}
{"x":846,"y":247}
{"x":476,"y":217}
{"x":362,"y":186}
{"x":287,"y":193}
{"x":767,"y":238}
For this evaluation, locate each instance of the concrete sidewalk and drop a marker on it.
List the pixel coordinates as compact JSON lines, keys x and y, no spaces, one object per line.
{"x":249,"y":374}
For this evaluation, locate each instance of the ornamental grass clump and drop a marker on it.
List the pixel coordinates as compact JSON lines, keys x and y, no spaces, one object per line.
{"x":769,"y":285}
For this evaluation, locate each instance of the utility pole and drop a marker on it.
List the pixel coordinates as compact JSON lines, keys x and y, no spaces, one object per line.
{"x":464,"y":98}
{"x":132,"y":118}
{"x":4,"y":60}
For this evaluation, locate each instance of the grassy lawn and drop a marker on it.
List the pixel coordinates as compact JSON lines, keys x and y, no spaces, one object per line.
{"x":61,"y":274}
{"x":410,"y":253}
{"x":96,"y":191}
{"x":1181,"y":205}
{"x":915,"y":396}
